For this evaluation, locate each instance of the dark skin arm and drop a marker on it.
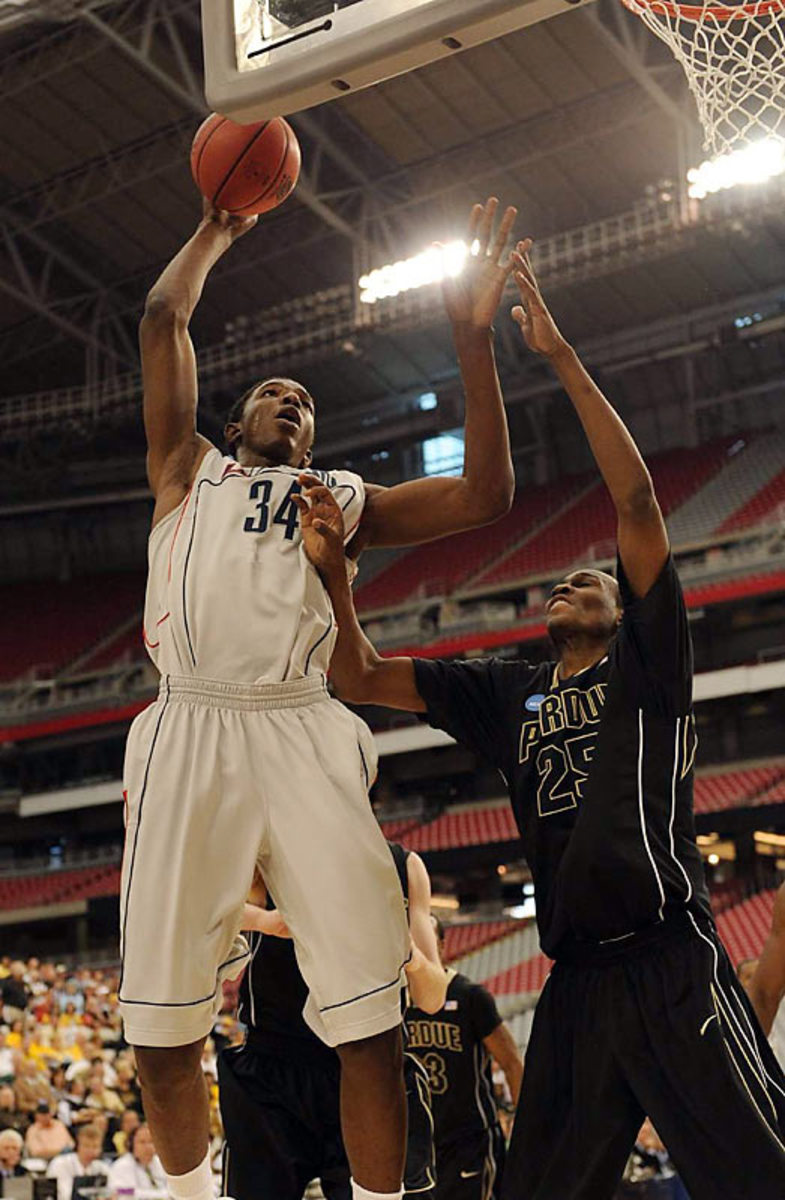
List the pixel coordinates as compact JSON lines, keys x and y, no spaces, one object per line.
{"x":357,"y":672}
{"x":423,"y":509}
{"x":767,"y":986}
{"x":174,"y":448}
{"x":642,"y":537}
{"x":501,"y":1044}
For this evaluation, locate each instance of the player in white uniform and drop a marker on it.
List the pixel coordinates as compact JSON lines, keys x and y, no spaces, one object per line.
{"x":244,"y":760}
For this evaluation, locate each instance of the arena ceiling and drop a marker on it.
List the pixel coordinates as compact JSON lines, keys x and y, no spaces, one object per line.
{"x":582,"y":121}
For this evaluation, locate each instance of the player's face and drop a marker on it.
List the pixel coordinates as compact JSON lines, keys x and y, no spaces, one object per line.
{"x":278,"y":423}
{"x":585,"y":602}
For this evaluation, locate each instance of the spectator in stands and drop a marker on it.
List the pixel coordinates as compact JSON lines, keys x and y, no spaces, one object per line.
{"x":15,"y":993}
{"x":140,"y":1168}
{"x":7,"y":1059}
{"x":85,"y":1160}
{"x":47,"y":1136}
{"x":10,"y":1115}
{"x":100,"y":1096}
{"x":127,"y":1088}
{"x":32,"y":1086}
{"x":11,"y":1144}
{"x":129,"y":1122}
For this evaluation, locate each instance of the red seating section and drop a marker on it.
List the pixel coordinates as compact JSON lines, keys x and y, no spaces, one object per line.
{"x":762,"y":505}
{"x":524,"y":977}
{"x":81,"y":883}
{"x":591,"y":520}
{"x":463,"y":939}
{"x":473,"y":825}
{"x":743,"y":788}
{"x":745,"y":927}
{"x":47,"y":625}
{"x":125,"y":647}
{"x":439,"y":567}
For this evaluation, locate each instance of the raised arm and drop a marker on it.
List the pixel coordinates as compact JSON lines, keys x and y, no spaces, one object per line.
{"x":174,"y":448}
{"x":642,"y":537}
{"x":425,"y":974}
{"x":423,"y":509}
{"x":767,"y":986}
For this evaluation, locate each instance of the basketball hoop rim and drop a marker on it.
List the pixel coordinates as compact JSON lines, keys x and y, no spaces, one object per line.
{"x":702,"y":12}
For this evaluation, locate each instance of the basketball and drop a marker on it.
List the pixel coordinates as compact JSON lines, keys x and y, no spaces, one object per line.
{"x":245,"y":169}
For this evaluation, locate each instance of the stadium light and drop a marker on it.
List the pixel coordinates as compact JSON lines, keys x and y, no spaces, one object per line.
{"x":754,"y":163}
{"x":431,"y":266}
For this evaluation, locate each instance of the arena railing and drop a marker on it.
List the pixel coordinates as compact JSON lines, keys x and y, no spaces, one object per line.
{"x":318,"y":325}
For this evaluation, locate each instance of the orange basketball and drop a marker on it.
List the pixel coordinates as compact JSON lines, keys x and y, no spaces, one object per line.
{"x":245,"y":169}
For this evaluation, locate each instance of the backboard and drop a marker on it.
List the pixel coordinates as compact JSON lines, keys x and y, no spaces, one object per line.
{"x":266,"y":58}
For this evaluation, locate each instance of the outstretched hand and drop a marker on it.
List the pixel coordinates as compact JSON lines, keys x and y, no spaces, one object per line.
{"x":540,"y":331}
{"x":321,"y":524}
{"x":473,"y":296}
{"x":233,"y":225}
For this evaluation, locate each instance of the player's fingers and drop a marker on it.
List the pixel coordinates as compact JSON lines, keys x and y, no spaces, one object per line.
{"x":474,"y":220}
{"x":518,"y":314}
{"x":308,"y":480}
{"x":500,"y":241}
{"x":301,"y":503}
{"x":485,"y":225}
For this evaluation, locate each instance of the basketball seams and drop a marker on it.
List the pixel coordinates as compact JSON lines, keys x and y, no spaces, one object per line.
{"x":219,"y":124}
{"x":275,"y":178}
{"x":237,"y":162}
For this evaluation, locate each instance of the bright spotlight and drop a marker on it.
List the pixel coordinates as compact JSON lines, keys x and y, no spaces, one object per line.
{"x":752,"y":164}
{"x":433,"y":265}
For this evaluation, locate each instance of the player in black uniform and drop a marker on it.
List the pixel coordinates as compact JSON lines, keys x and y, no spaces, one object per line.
{"x":456,"y":1045}
{"x":642,"y":1013}
{"x":280,"y":1090}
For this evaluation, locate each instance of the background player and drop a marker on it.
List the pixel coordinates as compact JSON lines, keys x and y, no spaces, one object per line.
{"x":642,"y":1013}
{"x":244,"y":757}
{"x":764,"y":979}
{"x":279,"y":1091}
{"x":456,"y":1044}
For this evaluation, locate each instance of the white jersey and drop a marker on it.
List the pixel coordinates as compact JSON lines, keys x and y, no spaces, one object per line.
{"x":777,"y":1035}
{"x":231,"y":594}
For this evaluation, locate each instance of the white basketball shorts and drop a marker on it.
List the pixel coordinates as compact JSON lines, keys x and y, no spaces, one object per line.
{"x":220,"y":777}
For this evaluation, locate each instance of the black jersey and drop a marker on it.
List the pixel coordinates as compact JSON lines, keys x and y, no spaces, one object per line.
{"x":273,"y":992}
{"x":449,"y":1044}
{"x":599,"y":768}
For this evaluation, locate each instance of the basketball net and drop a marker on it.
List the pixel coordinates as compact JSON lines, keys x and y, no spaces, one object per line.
{"x":734,"y":60}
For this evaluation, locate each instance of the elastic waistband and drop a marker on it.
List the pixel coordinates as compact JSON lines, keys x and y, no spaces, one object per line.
{"x":251,"y":697}
{"x":584,"y":953}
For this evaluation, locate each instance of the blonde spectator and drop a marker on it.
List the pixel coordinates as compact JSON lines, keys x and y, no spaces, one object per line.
{"x":140,"y":1168}
{"x":11,"y":1144}
{"x":85,"y":1160}
{"x":47,"y":1136}
{"x":129,"y":1123}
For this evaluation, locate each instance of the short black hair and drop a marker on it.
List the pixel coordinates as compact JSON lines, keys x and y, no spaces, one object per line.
{"x":237,"y":411}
